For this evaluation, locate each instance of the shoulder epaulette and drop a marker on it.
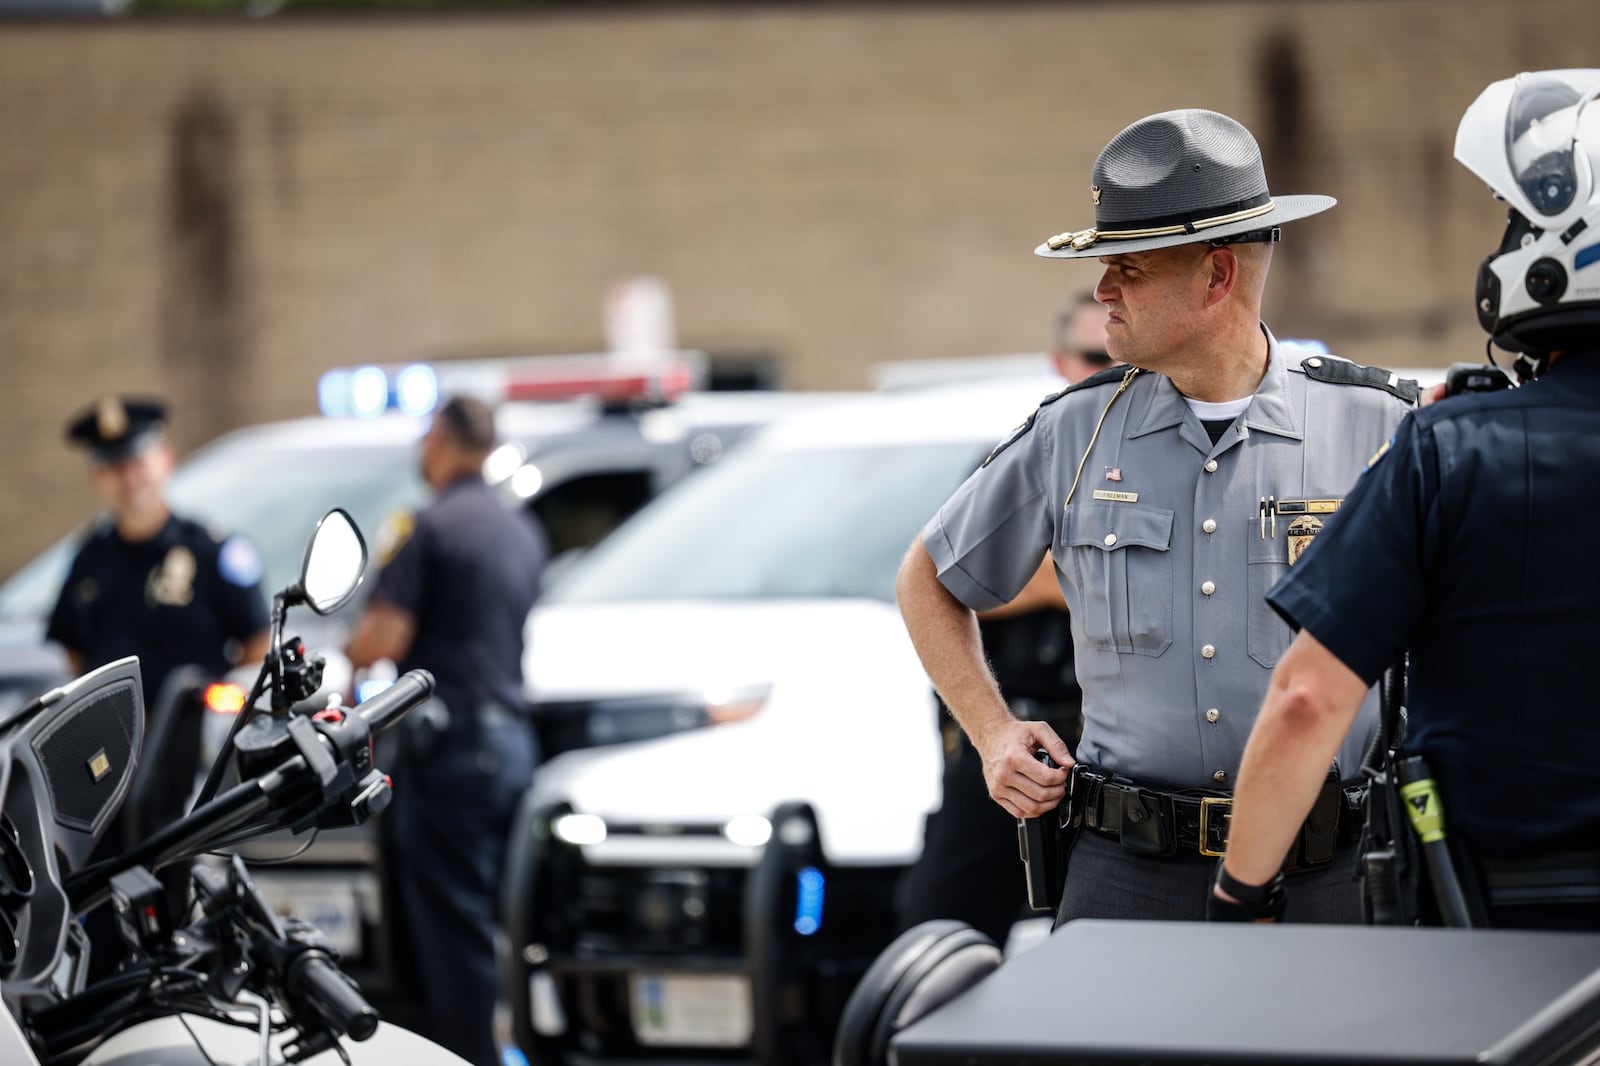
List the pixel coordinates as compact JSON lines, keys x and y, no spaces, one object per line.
{"x":1338,"y":371}
{"x":1111,"y":375}
{"x":1115,"y":373}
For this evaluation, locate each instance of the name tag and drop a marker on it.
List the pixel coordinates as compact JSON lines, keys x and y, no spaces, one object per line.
{"x":1116,"y":497}
{"x":1306,"y":506}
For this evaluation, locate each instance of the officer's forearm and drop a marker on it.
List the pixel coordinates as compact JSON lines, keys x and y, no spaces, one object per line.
{"x":382,"y":632}
{"x":253,"y":649}
{"x":1311,"y":703}
{"x":945,"y":634}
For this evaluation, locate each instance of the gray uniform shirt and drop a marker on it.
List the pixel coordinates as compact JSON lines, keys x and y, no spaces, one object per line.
{"x":1166,"y":551}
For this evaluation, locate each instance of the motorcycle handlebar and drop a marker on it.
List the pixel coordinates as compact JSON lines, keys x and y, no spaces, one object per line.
{"x":409,"y":691}
{"x":332,"y":995}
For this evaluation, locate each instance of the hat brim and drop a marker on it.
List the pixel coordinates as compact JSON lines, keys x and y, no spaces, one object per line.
{"x":1284,"y":209}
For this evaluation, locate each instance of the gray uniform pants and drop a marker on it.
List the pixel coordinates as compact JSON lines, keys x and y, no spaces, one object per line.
{"x":1107,"y":880}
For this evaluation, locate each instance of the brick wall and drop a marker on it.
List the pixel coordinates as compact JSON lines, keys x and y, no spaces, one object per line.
{"x":217,"y":210}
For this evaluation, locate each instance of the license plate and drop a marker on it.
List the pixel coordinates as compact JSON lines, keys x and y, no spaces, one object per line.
{"x":330,"y":905}
{"x":690,"y":1010}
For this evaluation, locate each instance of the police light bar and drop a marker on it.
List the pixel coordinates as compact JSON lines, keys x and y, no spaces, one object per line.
{"x":416,"y":388}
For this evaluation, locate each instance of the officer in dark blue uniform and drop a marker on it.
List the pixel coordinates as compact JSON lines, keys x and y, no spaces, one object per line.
{"x":150,"y":583}
{"x":147,"y":582}
{"x":452,"y":597}
{"x":1469,"y":541}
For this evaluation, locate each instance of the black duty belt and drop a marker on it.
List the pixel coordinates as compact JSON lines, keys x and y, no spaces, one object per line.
{"x":1162,"y":823}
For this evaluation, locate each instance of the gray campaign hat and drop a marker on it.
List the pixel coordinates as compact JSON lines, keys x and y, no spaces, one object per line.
{"x":1179,"y":177}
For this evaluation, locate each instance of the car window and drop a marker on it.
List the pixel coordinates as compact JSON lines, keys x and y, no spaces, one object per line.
{"x":274,"y":495}
{"x":776,"y":524}
{"x":580,"y":512}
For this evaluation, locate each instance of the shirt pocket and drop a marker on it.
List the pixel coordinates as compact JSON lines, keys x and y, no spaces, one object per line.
{"x":1287,"y":534}
{"x":1120,"y":559}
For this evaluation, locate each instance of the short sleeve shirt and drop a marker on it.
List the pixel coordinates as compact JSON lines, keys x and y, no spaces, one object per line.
{"x":1165,"y":550}
{"x":183,"y":597}
{"x":1470,"y":542}
{"x":468,"y":573}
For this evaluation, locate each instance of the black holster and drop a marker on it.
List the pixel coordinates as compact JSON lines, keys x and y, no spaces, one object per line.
{"x":1045,"y":844}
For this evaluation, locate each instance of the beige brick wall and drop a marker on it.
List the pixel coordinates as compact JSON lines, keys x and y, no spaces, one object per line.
{"x":217,"y":210}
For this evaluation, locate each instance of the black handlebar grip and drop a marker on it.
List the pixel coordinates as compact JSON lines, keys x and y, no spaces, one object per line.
{"x":332,"y":995}
{"x":409,"y":691}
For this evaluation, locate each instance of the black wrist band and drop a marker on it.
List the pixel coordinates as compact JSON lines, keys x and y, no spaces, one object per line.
{"x":1252,"y":895}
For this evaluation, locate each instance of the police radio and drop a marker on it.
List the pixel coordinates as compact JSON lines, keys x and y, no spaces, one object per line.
{"x":1044,"y":845}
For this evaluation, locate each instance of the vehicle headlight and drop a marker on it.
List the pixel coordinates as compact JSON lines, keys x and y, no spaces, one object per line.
{"x":748,"y":830}
{"x":579,"y":829}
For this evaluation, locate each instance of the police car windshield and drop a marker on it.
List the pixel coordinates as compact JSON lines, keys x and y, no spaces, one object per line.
{"x":274,"y":495}
{"x":776,"y":524}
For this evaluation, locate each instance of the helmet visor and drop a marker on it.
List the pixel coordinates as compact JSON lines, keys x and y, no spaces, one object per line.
{"x":1541,"y":130}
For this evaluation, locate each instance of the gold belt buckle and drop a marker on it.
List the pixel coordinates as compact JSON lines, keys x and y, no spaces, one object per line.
{"x":1207,"y":804}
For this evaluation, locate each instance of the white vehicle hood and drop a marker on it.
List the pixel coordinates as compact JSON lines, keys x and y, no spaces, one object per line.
{"x":850,"y":725}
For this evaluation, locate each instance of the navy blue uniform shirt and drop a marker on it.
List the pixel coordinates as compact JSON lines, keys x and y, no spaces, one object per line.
{"x":468,"y":574}
{"x":180,"y":598}
{"x":1472,"y":542}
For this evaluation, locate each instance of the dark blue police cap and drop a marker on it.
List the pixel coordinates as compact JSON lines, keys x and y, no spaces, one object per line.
{"x":117,"y":427}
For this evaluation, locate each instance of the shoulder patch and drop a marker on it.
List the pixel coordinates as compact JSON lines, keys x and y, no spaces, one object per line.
{"x":1104,"y":377}
{"x":1337,"y":371}
{"x":1380,"y":453}
{"x":239,"y":563}
{"x":394,"y":533}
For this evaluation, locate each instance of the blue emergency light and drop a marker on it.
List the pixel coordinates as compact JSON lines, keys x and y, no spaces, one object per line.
{"x":368,"y":391}
{"x":808,"y":900}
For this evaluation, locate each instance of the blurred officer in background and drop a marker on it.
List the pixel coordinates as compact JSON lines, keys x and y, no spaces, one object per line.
{"x":147,"y":582}
{"x":453,"y":594}
{"x":1078,"y":342}
{"x":150,"y":583}
{"x":1170,"y":497}
{"x":1467,"y":542}
{"x":968,"y":868}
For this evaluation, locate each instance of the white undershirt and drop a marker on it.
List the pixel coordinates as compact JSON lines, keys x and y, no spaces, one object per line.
{"x":1216,"y":412}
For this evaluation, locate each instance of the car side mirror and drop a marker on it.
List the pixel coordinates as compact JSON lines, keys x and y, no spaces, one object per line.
{"x":336,"y":561}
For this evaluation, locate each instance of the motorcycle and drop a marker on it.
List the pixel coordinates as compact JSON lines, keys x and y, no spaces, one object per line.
{"x":221,"y":979}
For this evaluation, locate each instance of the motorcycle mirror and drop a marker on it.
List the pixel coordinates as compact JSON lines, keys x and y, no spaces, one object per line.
{"x":336,"y":560}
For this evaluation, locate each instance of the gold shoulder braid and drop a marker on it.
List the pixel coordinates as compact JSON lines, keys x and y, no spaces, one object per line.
{"x":1133,"y":372}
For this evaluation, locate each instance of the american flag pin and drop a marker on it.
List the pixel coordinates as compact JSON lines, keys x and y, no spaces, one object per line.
{"x":1113,"y":473}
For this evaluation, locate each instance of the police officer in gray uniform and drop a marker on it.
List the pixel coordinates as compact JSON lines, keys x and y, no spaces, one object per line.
{"x":1171,"y":495}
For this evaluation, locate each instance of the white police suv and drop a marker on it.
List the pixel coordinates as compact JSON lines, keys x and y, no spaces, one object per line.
{"x":715,"y":892}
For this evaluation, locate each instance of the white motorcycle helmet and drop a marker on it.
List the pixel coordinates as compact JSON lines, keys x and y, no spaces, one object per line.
{"x":1535,"y":139}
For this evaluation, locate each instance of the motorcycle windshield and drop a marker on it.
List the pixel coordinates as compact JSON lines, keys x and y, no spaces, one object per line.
{"x":1541,"y":134}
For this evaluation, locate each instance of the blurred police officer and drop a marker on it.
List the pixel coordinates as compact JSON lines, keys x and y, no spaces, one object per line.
{"x":1468,"y":542}
{"x":969,"y":843}
{"x":154,"y":584}
{"x":1169,"y":496}
{"x":147,"y":582}
{"x":452,"y":598}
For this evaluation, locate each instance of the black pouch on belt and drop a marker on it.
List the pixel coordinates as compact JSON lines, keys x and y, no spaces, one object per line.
{"x":1319,"y":836}
{"x":1146,"y":825}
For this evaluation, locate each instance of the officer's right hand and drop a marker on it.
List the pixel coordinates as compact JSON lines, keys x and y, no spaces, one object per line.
{"x":1018,"y":781}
